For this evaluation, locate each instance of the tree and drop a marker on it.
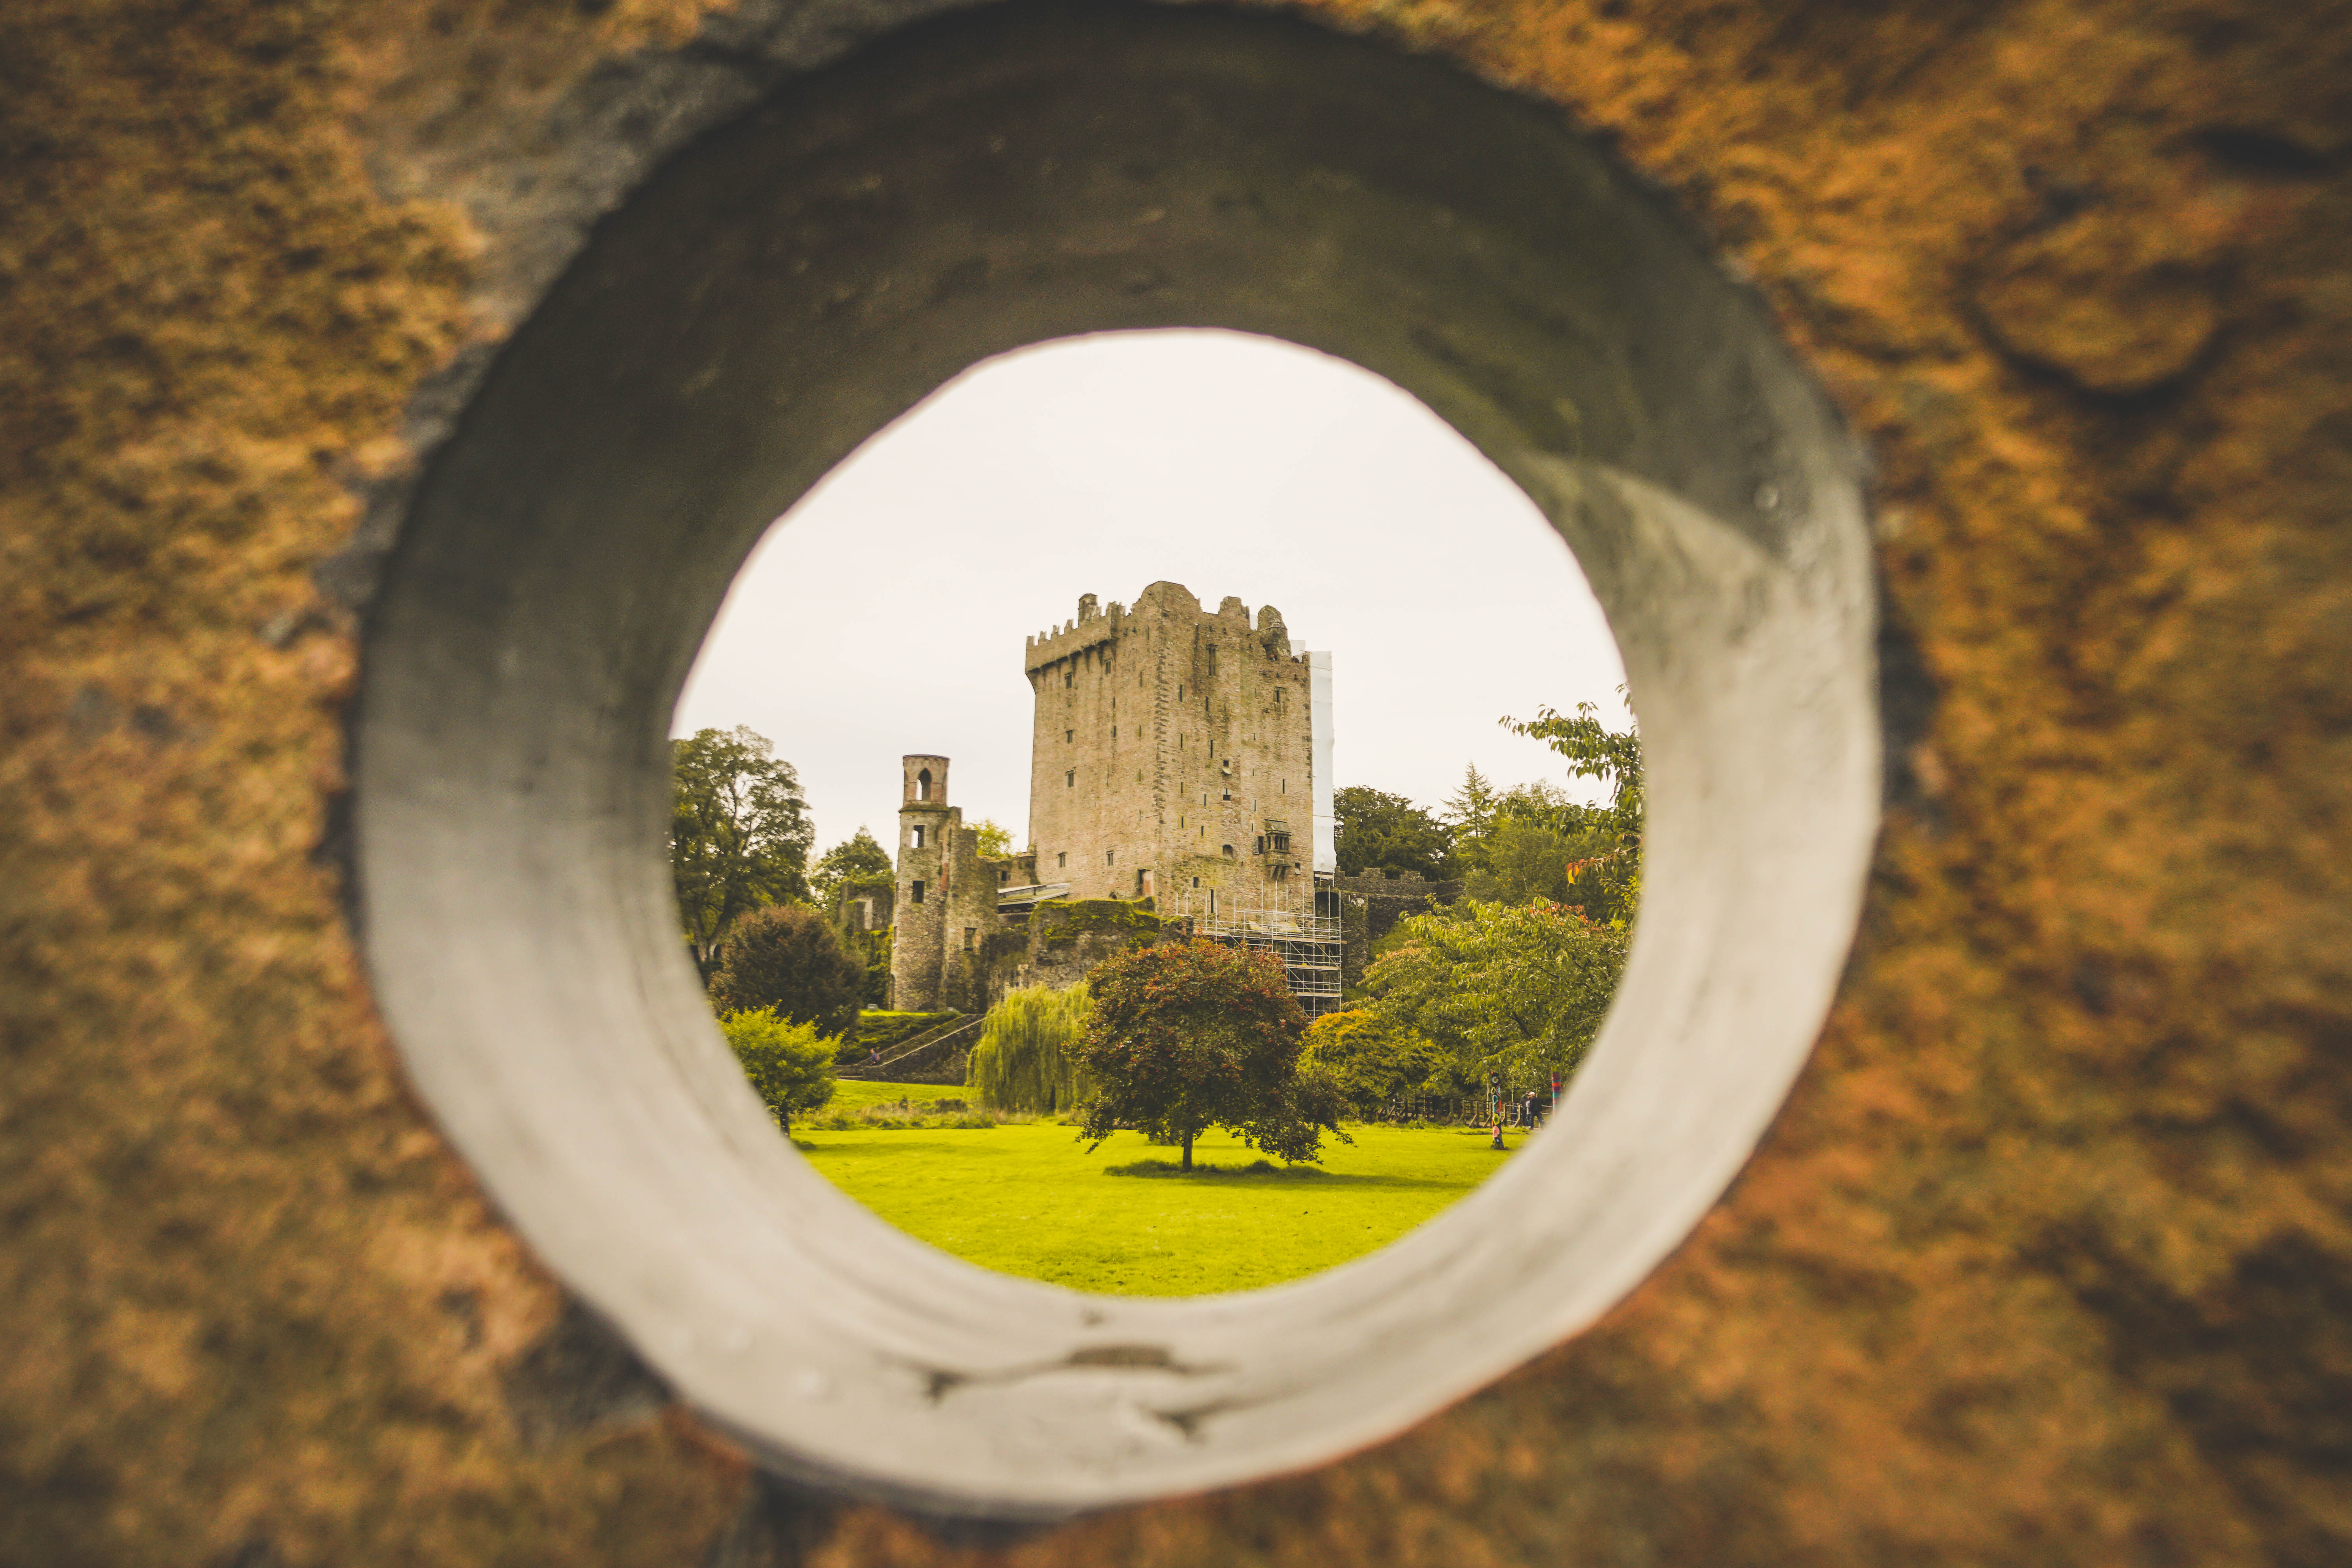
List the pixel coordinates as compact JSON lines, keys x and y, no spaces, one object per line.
{"x":1377,"y":831}
{"x":738,"y":833}
{"x":789,"y":961}
{"x":1470,"y":810}
{"x":1188,"y":1036}
{"x":857,"y":861}
{"x":994,"y":840}
{"x":1370,"y":1058}
{"x":1603,"y":867}
{"x":790,"y":1065}
{"x":1520,"y":990}
{"x":1027,"y":1055}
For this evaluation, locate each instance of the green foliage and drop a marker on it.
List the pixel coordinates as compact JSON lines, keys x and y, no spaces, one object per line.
{"x":1370,"y":1058}
{"x":1062,"y":922}
{"x":1187,"y":1035}
{"x":1599,"y":846}
{"x":738,"y":833}
{"x":1470,"y":810}
{"x":856,"y":859}
{"x":995,"y":838}
{"x":790,"y":1065}
{"x":1517,"y":992}
{"x":1027,"y":1055}
{"x":1377,"y":831}
{"x":789,"y":961}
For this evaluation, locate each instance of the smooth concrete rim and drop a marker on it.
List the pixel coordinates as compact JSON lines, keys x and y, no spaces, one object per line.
{"x":779,"y":292}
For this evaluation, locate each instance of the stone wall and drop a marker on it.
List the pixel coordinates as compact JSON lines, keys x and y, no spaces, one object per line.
{"x":1164,"y":737}
{"x":1370,"y":906}
{"x":2048,"y":1257}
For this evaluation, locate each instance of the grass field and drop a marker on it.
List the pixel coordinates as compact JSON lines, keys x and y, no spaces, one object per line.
{"x":1026,"y":1197}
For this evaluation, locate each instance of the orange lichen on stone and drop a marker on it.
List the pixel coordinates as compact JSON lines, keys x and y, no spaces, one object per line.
{"x":2050,"y":1256}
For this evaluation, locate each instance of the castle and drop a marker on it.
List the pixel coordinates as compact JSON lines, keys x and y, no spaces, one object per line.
{"x":1179,"y":762}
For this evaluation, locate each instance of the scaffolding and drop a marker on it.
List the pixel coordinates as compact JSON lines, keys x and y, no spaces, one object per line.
{"x":1300,"y":929}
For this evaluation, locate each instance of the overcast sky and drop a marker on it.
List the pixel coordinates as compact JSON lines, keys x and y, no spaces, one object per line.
{"x":885,"y":613}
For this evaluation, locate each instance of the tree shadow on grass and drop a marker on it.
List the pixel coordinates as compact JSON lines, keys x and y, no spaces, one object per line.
{"x":1265,"y":1173}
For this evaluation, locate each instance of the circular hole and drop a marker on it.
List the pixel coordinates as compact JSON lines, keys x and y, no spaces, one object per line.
{"x":790,"y":285}
{"x":1214,"y":460}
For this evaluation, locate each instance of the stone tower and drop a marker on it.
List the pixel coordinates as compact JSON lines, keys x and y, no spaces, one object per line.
{"x":1180,"y":754}
{"x":945,"y":901}
{"x":925,"y":822}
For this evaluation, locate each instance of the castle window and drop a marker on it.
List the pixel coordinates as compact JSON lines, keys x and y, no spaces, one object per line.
{"x":1069,"y":735}
{"x":1114,"y":731}
{"x":1261,"y":844}
{"x":1070,"y":779}
{"x":918,"y":891}
{"x":1213,"y":664}
{"x":1070,"y":676}
{"x":1004,"y":876}
{"x":1285,"y":789}
{"x":968,"y":932}
{"x":1196,"y":881}
{"x":1110,"y":857}
{"x":1179,"y":691}
{"x":923,"y":784}
{"x":915,"y":836}
{"x":1062,"y":859}
{"x":1229,"y":852}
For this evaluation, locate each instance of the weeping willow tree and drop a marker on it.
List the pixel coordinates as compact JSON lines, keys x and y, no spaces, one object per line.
{"x":1027,"y":1055}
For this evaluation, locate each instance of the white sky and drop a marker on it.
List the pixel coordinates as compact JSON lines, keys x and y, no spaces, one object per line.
{"x":885,"y":613}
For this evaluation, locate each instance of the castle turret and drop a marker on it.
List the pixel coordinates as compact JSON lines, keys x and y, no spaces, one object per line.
{"x":926,"y":825}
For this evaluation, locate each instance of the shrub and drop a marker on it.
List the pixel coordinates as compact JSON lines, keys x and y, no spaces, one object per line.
{"x":790,"y":1065}
{"x":1372,"y":1059}
{"x":1027,"y":1055}
{"x":789,"y":962}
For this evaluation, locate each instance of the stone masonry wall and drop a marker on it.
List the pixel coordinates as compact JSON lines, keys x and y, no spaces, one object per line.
{"x":2048,"y":1256}
{"x":1161,"y":735}
{"x":1369,"y":908}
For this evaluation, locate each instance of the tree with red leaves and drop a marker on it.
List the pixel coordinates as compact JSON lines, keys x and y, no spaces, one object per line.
{"x":1189,"y":1036}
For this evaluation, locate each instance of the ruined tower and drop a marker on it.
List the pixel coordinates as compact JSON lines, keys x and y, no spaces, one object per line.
{"x":1180,"y":754}
{"x":945,"y":900}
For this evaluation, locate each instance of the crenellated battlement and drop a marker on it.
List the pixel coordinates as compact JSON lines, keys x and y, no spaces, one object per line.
{"x":1072,"y":638}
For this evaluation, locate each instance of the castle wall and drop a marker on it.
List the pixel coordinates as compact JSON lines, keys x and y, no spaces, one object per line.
{"x":1369,"y":908}
{"x":1171,"y":753}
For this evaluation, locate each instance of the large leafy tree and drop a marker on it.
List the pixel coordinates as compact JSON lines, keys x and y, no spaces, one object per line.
{"x":789,"y":961}
{"x":1189,"y":1036}
{"x":1378,"y":831}
{"x":738,"y":833}
{"x":1515,"y":992}
{"x":1027,"y":1055}
{"x":857,"y":861}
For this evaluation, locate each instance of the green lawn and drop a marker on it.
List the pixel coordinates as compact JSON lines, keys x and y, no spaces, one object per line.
{"x":1026,"y":1197}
